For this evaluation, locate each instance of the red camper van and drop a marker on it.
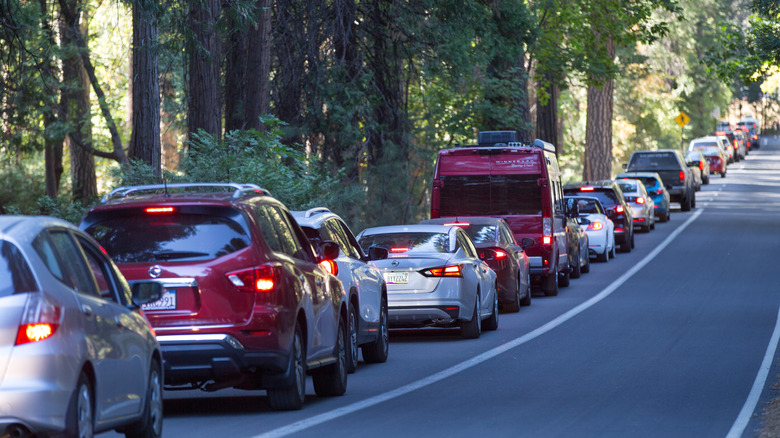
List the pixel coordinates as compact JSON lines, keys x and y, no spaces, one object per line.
{"x":521,"y":183}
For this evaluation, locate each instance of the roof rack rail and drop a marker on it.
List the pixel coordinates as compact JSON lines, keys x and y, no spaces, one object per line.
{"x":312,"y":211}
{"x":239,"y":189}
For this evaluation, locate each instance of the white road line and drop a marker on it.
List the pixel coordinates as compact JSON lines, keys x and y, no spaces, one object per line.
{"x":738,"y":428}
{"x":476,"y":360}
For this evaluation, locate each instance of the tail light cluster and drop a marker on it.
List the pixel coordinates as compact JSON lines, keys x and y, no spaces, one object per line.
{"x":547,"y":230}
{"x":595,"y":226}
{"x":258,"y":279}
{"x":701,"y":165}
{"x":446,"y":271}
{"x":40,"y":320}
{"x":330,"y":266}
{"x":619,"y":209}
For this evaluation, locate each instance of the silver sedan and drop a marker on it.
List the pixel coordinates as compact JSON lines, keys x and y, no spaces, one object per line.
{"x":78,"y":357}
{"x":435,"y":277}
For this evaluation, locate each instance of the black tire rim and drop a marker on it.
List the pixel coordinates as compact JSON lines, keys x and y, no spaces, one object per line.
{"x":155,"y":402}
{"x":84,"y":411}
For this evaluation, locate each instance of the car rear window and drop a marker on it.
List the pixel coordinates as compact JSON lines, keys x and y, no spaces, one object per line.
{"x":149,"y":238}
{"x":607,"y":197}
{"x":408,"y":242}
{"x":654,"y":160}
{"x":481,"y":233}
{"x":15,"y":274}
{"x":711,"y":151}
{"x":463,"y":195}
{"x":627,"y":186}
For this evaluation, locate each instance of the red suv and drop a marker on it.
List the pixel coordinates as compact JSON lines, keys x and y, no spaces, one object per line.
{"x":246,"y":304}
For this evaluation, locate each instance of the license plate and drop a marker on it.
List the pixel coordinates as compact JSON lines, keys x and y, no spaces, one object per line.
{"x":166,"y":302}
{"x":397,"y":277}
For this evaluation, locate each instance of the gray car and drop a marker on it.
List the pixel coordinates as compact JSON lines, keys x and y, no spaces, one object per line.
{"x":435,"y":277}
{"x":78,"y":356}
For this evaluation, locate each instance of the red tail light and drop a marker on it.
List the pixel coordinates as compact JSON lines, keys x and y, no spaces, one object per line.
{"x":40,"y":320}
{"x":546,"y":240}
{"x":595,"y":226}
{"x":331,"y":266}
{"x":259,"y":279}
{"x":501,"y":254}
{"x":640,"y":200}
{"x":619,"y":209}
{"x":457,"y":224}
{"x":447,"y":271}
{"x":586,"y":189}
{"x":701,"y":165}
{"x":399,"y":249}
{"x":682,"y":175}
{"x":159,"y":210}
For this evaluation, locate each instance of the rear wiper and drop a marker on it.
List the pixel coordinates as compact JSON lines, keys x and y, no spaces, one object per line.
{"x":168,"y":255}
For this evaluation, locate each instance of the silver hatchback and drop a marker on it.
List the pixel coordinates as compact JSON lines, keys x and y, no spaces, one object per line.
{"x":77,"y":356}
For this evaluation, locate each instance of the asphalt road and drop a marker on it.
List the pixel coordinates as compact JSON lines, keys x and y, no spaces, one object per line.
{"x":666,"y":341}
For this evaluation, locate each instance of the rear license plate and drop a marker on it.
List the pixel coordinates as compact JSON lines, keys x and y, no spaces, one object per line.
{"x":167,"y":302}
{"x":396,"y":277}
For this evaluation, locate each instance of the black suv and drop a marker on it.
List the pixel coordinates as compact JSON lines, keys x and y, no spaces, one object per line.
{"x":608,"y":192}
{"x":674,"y":171}
{"x":247,"y":303}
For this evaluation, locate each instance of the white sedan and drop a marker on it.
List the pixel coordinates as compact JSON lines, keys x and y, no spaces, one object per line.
{"x":600,"y":229}
{"x":435,"y":277}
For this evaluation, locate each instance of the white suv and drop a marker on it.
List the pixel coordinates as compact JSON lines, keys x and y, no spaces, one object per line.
{"x":362,"y":281}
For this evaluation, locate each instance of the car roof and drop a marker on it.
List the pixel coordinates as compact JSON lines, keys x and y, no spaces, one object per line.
{"x":477,"y":220}
{"x":409,"y":229}
{"x":200,"y":193}
{"x":630,"y":174}
{"x":602,"y":183}
{"x":313,"y":217}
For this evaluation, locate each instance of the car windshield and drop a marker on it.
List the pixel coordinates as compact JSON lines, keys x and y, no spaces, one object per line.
{"x":157,"y":238}
{"x":15,"y":273}
{"x":481,"y":233}
{"x":712,"y":151}
{"x":408,"y":242}
{"x":654,"y":160}
{"x":464,"y":195}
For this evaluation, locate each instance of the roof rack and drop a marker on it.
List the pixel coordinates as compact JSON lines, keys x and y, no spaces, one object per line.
{"x":239,"y":189}
{"x":312,"y":211}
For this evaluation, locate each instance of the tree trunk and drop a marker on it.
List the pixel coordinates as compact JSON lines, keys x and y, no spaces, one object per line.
{"x":77,"y":107}
{"x":145,"y":138}
{"x":291,"y":59}
{"x":547,"y":112}
{"x":598,"y":132}
{"x":53,"y":167}
{"x":257,"y":90}
{"x":204,"y":68}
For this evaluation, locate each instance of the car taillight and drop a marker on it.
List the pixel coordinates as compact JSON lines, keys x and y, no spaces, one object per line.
{"x":159,"y":210}
{"x":447,"y":271}
{"x":619,"y":209}
{"x":586,"y":189}
{"x":640,"y":200}
{"x":701,"y":165}
{"x":595,"y":226}
{"x":258,"y":279}
{"x":457,"y":224}
{"x":501,"y":254}
{"x":547,"y":230}
{"x":399,"y":249}
{"x":40,"y":320}
{"x":331,"y":266}
{"x":682,"y":175}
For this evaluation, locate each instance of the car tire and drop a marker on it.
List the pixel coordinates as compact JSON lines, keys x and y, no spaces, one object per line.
{"x":723,"y":174}
{"x":707,"y":180}
{"x":331,"y":380}
{"x":526,"y":301}
{"x":377,"y":351}
{"x":550,"y":285}
{"x":514,"y":306}
{"x":79,"y":420}
{"x":652,"y":224}
{"x":603,"y":257}
{"x":576,"y":271}
{"x":472,"y":328}
{"x":151,"y":422}
{"x":586,"y":268}
{"x":686,"y":205}
{"x":693,"y":201}
{"x":492,"y":322}
{"x":633,"y":242}
{"x":291,"y":397}
{"x":613,"y":251}
{"x":352,"y":345}
{"x":564,"y":280}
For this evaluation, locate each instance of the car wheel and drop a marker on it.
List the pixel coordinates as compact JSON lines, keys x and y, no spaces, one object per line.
{"x":652,"y":224}
{"x":707,"y":180}
{"x":291,"y":397}
{"x":550,"y":285}
{"x":331,"y":380}
{"x":472,"y":328}
{"x":723,"y":174}
{"x":564,"y":280}
{"x":377,"y":351}
{"x":576,"y":271}
{"x":150,"y":423}
{"x":686,"y":206}
{"x":526,"y":301}
{"x":693,"y":201}
{"x":352,"y":350}
{"x":514,"y":306}
{"x":633,"y":242}
{"x":613,"y":251}
{"x":603,"y":257}
{"x":492,"y":322}
{"x":79,"y":421}
{"x":586,"y":268}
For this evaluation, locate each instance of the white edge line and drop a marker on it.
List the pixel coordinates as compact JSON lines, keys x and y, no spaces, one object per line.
{"x":441,"y":375}
{"x":738,"y":428}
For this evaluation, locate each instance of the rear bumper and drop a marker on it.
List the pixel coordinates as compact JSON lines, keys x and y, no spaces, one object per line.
{"x":220,"y":358}
{"x":415,"y":316}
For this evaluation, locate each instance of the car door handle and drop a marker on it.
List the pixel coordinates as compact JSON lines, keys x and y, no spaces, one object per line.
{"x":87,"y":311}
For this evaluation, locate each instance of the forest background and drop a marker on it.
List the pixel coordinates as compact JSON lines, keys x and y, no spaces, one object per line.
{"x":344,"y":103}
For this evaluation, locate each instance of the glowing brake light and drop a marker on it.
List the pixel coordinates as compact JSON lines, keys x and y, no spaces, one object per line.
{"x":501,"y":254}
{"x":619,"y":209}
{"x":682,"y":175}
{"x":546,"y":240}
{"x":457,"y":224}
{"x":399,"y":249}
{"x":595,"y":226}
{"x":586,"y":189}
{"x":640,"y":200}
{"x":447,"y":271}
{"x":330,"y":266}
{"x":40,"y":320}
{"x":159,"y":210}
{"x":259,"y":279}
{"x":701,"y":165}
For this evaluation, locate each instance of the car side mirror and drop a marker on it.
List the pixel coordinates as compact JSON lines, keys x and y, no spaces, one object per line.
{"x":145,"y":292}
{"x":487,"y":254}
{"x":377,"y":253}
{"x":690,"y":164}
{"x":527,"y":242}
{"x":329,"y":250}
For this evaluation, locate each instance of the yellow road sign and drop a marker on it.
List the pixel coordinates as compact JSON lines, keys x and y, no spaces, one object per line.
{"x":682,"y":119}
